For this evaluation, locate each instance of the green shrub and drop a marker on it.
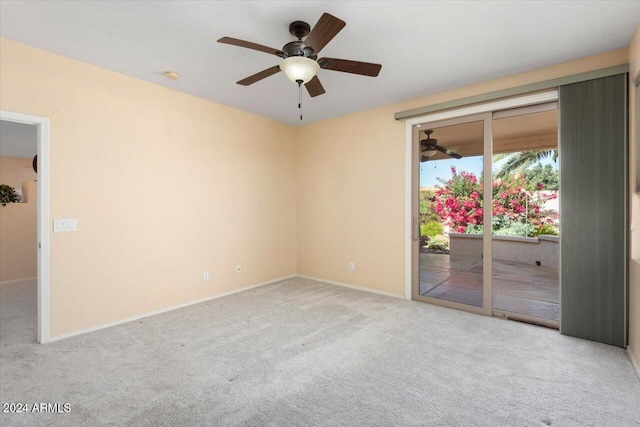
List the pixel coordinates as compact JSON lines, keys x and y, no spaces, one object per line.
{"x":474,"y":229}
{"x":431,"y":229}
{"x":504,"y":226}
{"x":438,"y":244}
{"x":515,"y":229}
{"x":547,"y":229}
{"x":8,"y":195}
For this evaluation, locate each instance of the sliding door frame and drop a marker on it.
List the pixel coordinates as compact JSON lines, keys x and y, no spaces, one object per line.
{"x":472,"y":113}
{"x":487,"y":302}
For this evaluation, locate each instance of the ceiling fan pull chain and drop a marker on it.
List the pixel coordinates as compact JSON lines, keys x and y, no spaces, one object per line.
{"x":300,"y":97}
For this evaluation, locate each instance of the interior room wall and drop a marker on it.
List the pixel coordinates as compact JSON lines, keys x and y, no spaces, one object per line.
{"x":350,"y":173}
{"x":634,"y":263}
{"x":164,"y":186}
{"x":18,"y":227}
{"x":15,"y":171}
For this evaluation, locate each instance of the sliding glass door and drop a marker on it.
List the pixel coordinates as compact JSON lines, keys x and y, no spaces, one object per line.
{"x":496,"y":168}
{"x":452,"y":268}
{"x":526,"y":217}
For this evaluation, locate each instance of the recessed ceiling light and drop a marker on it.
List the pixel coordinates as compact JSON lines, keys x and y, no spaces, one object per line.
{"x":171,"y":75}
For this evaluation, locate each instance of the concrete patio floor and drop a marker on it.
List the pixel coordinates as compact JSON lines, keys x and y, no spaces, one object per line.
{"x":517,"y":288}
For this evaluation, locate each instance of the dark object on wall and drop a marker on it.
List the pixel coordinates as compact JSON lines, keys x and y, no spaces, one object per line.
{"x":35,"y":163}
{"x":594,"y":176}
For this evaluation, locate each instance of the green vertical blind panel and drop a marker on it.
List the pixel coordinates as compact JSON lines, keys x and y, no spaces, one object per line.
{"x":593,"y":147}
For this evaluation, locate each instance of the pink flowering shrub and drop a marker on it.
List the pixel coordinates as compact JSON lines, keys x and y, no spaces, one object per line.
{"x":460,"y":205}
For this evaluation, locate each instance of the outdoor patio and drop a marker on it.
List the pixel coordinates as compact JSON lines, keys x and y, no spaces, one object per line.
{"x":517,"y":287}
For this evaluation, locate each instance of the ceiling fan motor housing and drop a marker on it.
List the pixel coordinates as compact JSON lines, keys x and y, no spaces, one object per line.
{"x":299,"y":29}
{"x":298,"y":48}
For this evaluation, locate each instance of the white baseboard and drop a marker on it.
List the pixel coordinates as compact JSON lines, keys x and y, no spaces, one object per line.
{"x":634,"y":362}
{"x":162,"y":310}
{"x":6,"y":282}
{"x":346,"y":285}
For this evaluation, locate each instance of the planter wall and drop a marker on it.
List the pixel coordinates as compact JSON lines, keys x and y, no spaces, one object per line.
{"x":525,"y":250}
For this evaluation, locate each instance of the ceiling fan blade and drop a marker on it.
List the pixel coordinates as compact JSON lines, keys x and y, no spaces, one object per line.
{"x":259,"y":76}
{"x":447,"y":151}
{"x":348,"y":66}
{"x":314,"y":87}
{"x":325,"y":29}
{"x":253,"y":46}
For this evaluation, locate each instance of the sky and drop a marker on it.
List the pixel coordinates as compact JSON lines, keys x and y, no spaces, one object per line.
{"x":433,"y":169}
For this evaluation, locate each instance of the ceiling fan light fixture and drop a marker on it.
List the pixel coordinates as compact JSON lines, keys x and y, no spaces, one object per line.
{"x":429,"y":153}
{"x":299,"y":68}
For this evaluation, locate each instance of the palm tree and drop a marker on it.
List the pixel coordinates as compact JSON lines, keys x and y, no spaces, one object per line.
{"x":520,"y":161}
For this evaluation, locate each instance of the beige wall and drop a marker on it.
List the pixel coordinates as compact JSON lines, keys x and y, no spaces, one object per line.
{"x":18,"y":228}
{"x":351,"y":184}
{"x":634,"y":265}
{"x":164,"y":186}
{"x":14,"y":171}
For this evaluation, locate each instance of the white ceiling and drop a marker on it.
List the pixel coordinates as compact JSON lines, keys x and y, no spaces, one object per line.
{"x":424,"y":47}
{"x":18,"y":139}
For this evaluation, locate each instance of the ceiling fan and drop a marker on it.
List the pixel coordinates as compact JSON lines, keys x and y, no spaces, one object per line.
{"x":429,"y":147}
{"x":300,"y":58}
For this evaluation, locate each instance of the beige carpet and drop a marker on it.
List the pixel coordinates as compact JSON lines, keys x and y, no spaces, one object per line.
{"x":300,"y":353}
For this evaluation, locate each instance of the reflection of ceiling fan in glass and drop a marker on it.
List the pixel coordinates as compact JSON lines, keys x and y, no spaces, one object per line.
{"x":429,"y":148}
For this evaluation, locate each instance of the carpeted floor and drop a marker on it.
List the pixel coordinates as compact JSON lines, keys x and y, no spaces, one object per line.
{"x":300,"y":353}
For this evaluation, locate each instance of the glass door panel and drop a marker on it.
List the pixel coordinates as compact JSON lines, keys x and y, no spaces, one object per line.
{"x":451,"y":212}
{"x":525,"y":224}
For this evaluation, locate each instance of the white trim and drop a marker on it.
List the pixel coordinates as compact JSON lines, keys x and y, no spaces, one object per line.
{"x":164,"y":310}
{"x":633,"y":362}
{"x":42,"y":124}
{"x":346,"y":285}
{"x":504,"y":104}
{"x":26,"y":279}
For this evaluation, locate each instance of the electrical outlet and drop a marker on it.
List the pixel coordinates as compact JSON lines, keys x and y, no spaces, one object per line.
{"x":205,"y":276}
{"x":238,"y":269}
{"x":352,"y":266}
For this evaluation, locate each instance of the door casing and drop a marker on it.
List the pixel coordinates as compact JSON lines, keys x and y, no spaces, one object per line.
{"x":42,"y":124}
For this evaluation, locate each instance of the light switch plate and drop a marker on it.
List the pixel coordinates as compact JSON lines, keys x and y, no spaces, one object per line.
{"x":61,"y":225}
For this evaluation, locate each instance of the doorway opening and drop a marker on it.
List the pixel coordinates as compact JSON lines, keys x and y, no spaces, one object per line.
{"x":24,"y":250}
{"x":18,"y":228}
